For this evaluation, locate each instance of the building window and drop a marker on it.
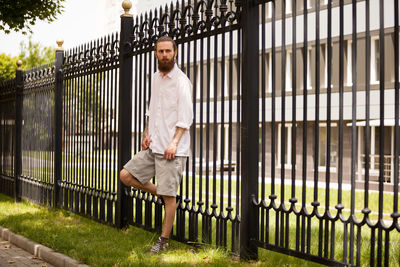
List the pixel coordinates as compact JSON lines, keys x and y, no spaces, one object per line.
{"x":323,"y":146}
{"x":375,"y":60}
{"x":323,"y":2}
{"x":349,"y":63}
{"x":225,"y":141}
{"x":198,"y":139}
{"x":267,"y":73}
{"x":288,"y":6}
{"x":309,"y":58}
{"x":324,"y":57}
{"x":287,"y":149}
{"x":268,"y":10}
{"x":202,"y":80}
{"x":288,"y":76}
{"x":235,"y":66}
{"x":208,"y":77}
{"x":324,"y":54}
{"x":268,"y":70}
{"x":309,"y":5}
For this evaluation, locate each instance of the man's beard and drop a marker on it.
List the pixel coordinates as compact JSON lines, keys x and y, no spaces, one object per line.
{"x":166,"y":66}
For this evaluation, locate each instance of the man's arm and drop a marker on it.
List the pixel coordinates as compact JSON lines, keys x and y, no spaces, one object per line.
{"x":146,"y":139}
{"x":173,"y":145}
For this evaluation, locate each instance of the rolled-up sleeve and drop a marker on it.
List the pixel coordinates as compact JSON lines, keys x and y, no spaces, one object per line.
{"x":185,"y":105}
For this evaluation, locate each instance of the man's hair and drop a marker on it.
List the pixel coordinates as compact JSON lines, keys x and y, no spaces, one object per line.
{"x":166,"y":39}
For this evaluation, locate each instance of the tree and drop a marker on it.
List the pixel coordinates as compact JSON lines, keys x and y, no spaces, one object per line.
{"x":32,"y":55}
{"x":20,"y":15}
{"x":8,"y":66}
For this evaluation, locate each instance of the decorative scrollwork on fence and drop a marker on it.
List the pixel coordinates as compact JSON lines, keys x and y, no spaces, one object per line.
{"x":40,"y":78}
{"x":100,"y":54}
{"x":184,"y":22}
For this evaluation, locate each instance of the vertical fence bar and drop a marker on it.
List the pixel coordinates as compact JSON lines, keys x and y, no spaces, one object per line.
{"x":395,"y":213}
{"x":328,"y":127}
{"x":354,"y":130}
{"x":293,"y":199}
{"x":305,"y":103}
{"x":238,"y":139}
{"x":272,"y":196}
{"x":284,"y":133}
{"x":381,"y":126}
{"x":58,"y":108}
{"x":248,"y":228}
{"x":124,"y":111}
{"x":18,"y":131}
{"x":263,"y":111}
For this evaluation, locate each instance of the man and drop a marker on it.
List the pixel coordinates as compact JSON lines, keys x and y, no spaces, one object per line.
{"x":166,"y":139}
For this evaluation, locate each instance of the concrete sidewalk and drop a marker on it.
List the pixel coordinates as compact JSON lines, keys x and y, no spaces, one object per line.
{"x":11,"y":255}
{"x":16,"y":250}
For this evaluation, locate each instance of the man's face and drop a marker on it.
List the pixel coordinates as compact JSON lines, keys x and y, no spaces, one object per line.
{"x":166,"y":56}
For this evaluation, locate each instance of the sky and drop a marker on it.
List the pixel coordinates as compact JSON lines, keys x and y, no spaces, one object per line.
{"x":81,"y":22}
{"x":74,"y":26}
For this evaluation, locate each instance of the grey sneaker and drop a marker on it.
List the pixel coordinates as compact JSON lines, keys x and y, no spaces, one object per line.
{"x":159,"y":246}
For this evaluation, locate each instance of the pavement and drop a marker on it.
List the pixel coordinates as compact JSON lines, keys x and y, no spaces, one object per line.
{"x":18,"y":251}
{"x":11,"y":256}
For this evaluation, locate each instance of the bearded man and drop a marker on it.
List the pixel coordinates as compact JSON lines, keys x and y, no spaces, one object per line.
{"x":166,"y":139}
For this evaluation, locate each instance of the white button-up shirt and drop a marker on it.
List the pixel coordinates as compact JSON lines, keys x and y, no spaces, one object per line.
{"x":170,"y":107}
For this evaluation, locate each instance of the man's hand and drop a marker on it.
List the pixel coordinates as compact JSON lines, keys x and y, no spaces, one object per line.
{"x":170,"y":151}
{"x":146,"y":142}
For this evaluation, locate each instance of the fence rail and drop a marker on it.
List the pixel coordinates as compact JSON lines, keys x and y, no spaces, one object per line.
{"x":294,"y":142}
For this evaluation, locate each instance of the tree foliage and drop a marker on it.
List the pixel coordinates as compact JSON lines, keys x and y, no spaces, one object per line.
{"x":8,"y":66}
{"x":20,"y":15}
{"x":32,"y":54}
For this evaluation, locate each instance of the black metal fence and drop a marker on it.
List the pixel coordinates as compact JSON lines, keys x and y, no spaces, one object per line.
{"x":329,"y":95}
{"x":89,"y":130}
{"x":7,"y":136}
{"x":36,"y":178}
{"x":294,"y":139}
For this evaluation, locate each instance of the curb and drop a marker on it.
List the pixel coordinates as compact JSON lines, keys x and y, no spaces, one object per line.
{"x":40,"y":251}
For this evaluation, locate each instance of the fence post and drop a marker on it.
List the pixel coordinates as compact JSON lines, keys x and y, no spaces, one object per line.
{"x":58,"y":107}
{"x":124,"y":110}
{"x":249,"y":142}
{"x":19,"y":79}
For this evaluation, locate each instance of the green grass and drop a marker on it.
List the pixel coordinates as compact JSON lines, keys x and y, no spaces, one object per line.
{"x":109,"y":176}
{"x":101,"y":245}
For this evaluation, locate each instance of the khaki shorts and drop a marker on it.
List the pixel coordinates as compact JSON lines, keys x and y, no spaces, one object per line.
{"x":145,"y":165}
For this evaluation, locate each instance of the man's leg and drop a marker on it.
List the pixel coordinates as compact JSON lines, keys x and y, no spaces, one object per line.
{"x":129,"y":180}
{"x":170,"y":209}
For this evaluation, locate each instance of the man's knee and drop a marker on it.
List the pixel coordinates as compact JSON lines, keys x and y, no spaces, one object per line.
{"x":168,"y":200}
{"x":125,"y":176}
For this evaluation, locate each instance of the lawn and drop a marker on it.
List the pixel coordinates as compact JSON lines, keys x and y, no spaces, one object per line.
{"x":106,"y":177}
{"x":97,"y":244}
